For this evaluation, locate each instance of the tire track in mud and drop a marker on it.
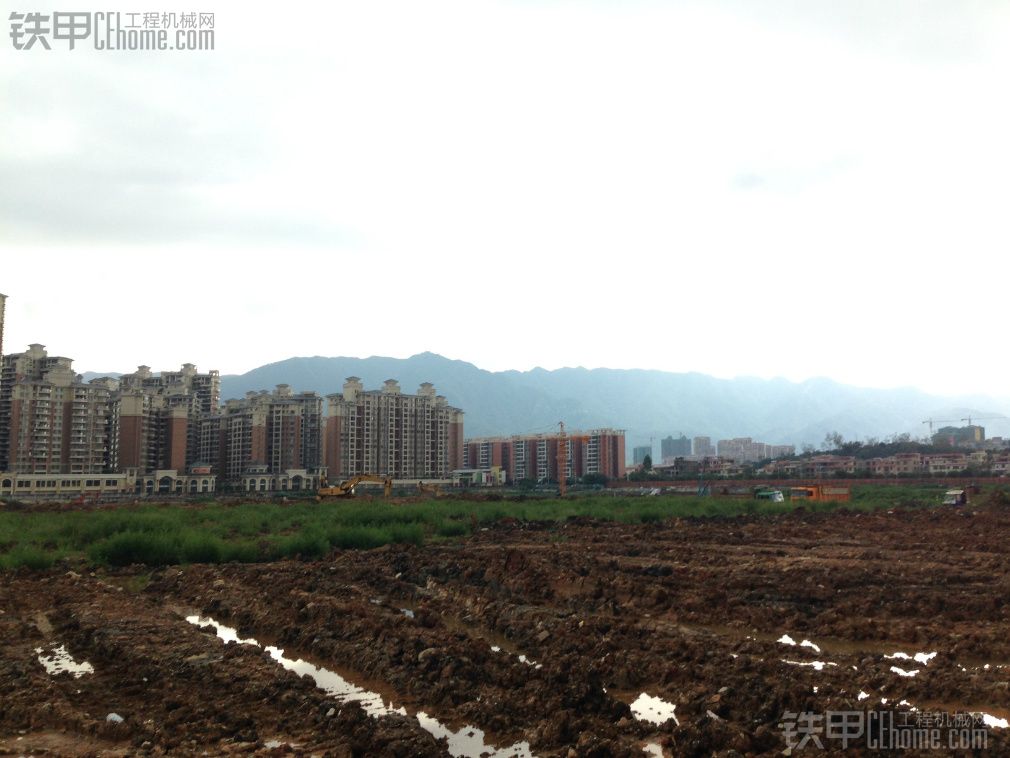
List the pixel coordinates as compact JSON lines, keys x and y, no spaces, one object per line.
{"x":691,"y":612}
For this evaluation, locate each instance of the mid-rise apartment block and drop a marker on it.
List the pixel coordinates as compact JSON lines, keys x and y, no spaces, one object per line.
{"x":746,"y":450}
{"x":535,"y":457}
{"x":391,"y":433}
{"x":50,"y":421}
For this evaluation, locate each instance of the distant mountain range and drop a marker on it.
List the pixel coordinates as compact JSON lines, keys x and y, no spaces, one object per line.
{"x":648,"y":404}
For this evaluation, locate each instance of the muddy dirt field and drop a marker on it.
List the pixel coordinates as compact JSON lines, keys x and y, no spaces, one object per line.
{"x":524,"y":639}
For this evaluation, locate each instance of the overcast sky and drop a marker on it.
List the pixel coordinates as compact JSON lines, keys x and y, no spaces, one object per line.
{"x":736,"y":187}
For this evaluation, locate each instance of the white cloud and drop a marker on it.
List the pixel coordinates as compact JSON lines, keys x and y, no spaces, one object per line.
{"x":767,"y":188}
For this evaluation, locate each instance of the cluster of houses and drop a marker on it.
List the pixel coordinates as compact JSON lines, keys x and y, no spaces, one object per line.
{"x":982,"y":462}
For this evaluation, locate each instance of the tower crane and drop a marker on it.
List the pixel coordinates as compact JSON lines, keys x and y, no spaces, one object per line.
{"x":563,"y":438}
{"x":562,"y":459}
{"x":932,"y":421}
{"x":981,"y":418}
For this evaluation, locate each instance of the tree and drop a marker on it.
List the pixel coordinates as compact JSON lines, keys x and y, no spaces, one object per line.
{"x":647,"y":463}
{"x":833,"y":441}
{"x":851,"y":448}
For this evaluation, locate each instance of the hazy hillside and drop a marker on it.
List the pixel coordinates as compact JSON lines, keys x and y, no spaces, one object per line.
{"x":645,"y":403}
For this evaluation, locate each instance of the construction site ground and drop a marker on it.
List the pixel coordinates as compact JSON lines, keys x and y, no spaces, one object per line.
{"x":523,"y":638}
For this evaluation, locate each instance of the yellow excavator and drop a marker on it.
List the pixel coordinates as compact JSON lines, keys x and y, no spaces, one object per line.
{"x":346,"y":487}
{"x":429,"y":489}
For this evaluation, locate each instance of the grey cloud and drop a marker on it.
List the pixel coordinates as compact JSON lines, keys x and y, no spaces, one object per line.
{"x":139,"y":166}
{"x":922,"y":30}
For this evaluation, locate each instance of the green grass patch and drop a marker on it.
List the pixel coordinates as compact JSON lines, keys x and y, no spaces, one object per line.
{"x":157,"y":535}
{"x":27,"y":556}
{"x":359,"y":537}
{"x":127,"y":548}
{"x":452,"y":529}
{"x":307,"y":545}
{"x":201,"y":548}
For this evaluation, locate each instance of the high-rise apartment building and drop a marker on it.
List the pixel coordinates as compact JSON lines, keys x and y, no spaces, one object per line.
{"x":158,"y":416}
{"x":390,"y":433}
{"x":3,"y":307}
{"x":640,"y":452}
{"x":264,"y":433}
{"x":50,"y":421}
{"x":675,"y":447}
{"x":703,"y":447}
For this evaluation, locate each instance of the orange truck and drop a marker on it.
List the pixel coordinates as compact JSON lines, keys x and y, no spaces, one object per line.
{"x":820,"y":493}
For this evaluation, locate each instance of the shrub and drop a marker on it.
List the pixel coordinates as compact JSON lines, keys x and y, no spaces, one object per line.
{"x":452,"y":529}
{"x":307,"y":545}
{"x":28,"y":556}
{"x":359,"y":537}
{"x":201,"y":548}
{"x":241,"y":552}
{"x":412,"y":534}
{"x":126,"y":548}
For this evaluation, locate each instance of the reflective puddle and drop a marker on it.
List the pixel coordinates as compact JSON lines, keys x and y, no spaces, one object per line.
{"x":467,"y":742}
{"x":329,"y":681}
{"x":59,"y":661}
{"x":528,"y":662}
{"x":923,"y":658}
{"x":902,"y":672}
{"x":815,"y":665}
{"x":785,"y":639}
{"x":654,"y":709}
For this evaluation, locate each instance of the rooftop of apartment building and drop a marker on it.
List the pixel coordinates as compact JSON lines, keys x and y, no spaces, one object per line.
{"x":354,"y":388}
{"x":547,"y":435}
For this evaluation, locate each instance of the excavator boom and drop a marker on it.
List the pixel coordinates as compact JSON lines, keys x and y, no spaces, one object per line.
{"x":346,"y":487}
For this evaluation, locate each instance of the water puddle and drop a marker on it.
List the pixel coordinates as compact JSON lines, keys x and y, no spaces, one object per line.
{"x":528,"y":662}
{"x":329,"y":681}
{"x":785,"y":639}
{"x":653,"y":709}
{"x":815,"y":665}
{"x":467,"y":742}
{"x":902,"y":672}
{"x":59,"y":661}
{"x":522,"y":658}
{"x":923,"y":658}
